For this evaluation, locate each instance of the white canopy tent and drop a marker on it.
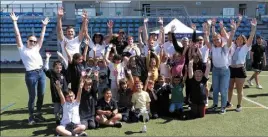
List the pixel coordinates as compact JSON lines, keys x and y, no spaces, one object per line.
{"x":180,"y":28}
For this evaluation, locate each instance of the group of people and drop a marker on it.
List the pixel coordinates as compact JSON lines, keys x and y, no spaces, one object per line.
{"x":102,"y":80}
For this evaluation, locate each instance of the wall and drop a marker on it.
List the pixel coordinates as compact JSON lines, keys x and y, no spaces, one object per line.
{"x":9,"y":52}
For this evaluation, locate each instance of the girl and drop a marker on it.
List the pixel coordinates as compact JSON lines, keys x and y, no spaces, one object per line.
{"x":152,"y":63}
{"x":132,"y":48}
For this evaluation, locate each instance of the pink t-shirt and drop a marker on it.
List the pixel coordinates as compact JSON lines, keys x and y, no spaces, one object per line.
{"x":176,"y":70}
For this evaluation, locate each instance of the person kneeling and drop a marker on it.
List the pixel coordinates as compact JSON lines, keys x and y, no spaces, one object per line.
{"x":198,"y":81}
{"x":107,"y":110}
{"x":70,"y":124}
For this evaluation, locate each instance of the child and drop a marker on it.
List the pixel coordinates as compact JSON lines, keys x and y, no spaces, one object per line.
{"x":56,"y":74}
{"x":164,"y":67}
{"x":177,"y":95}
{"x":107,"y":110}
{"x":163,"y":91}
{"x":198,"y":97}
{"x":88,"y":102}
{"x":152,"y":63}
{"x":140,"y":101}
{"x":177,"y":64}
{"x":149,"y":87}
{"x":124,"y":102}
{"x":70,"y":123}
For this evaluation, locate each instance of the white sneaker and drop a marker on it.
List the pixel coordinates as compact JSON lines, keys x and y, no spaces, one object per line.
{"x":250,"y":83}
{"x":259,"y":87}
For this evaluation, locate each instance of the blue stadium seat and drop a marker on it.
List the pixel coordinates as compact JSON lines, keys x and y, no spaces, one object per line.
{"x":97,"y":25}
{"x":130,"y":25}
{"x":130,"y":21}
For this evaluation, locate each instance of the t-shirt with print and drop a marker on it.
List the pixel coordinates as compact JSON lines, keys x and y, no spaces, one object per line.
{"x":73,"y":47}
{"x":116,"y":67}
{"x":258,"y":51}
{"x":198,"y":92}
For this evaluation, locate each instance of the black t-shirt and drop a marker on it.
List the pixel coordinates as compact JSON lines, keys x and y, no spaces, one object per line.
{"x":197,"y":92}
{"x":120,"y":45}
{"x":88,"y":102}
{"x":258,"y":51}
{"x":125,"y":98}
{"x":53,"y":76}
{"x":74,"y":74}
{"x":105,"y":106}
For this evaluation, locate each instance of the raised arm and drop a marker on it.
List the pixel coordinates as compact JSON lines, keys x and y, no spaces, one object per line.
{"x":110,"y":25}
{"x":84,"y":25}
{"x":233,"y":29}
{"x":193,"y":26}
{"x":16,"y":29}
{"x":224,"y":33}
{"x":65,"y":62}
{"x":157,"y":59}
{"x":107,"y":56}
{"x":42,"y":35}
{"x":86,"y":49}
{"x":130,"y":77}
{"x":174,"y":40}
{"x":86,"y":31}
{"x":58,"y":87}
{"x":208,"y":65}
{"x":213,"y":29}
{"x":140,"y":37}
{"x":148,"y":60}
{"x":252,"y":33}
{"x":206,"y":36}
{"x":190,"y":69}
{"x":240,"y":17}
{"x":59,"y":24}
{"x":79,"y":93}
{"x":161,"y":39}
{"x":145,"y":32}
{"x":48,"y":55}
{"x":147,"y":80}
{"x":67,"y":52}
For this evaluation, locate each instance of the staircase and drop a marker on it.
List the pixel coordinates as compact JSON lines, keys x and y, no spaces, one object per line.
{"x":262,"y":29}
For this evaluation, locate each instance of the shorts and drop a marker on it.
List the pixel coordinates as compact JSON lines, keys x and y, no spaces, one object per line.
{"x":257,"y":66}
{"x":70,"y":126}
{"x":90,"y":123}
{"x":238,"y":72}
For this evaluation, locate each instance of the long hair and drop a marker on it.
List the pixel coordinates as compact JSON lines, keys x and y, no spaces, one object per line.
{"x":101,"y":37}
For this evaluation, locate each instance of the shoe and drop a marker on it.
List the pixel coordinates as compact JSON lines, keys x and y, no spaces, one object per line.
{"x":125,"y":119}
{"x":229,"y":105}
{"x":250,"y":83}
{"x":238,"y":108}
{"x":31,"y":121}
{"x":259,"y":87}
{"x":39,"y":118}
{"x":223,"y":111}
{"x":214,"y":107}
{"x":83,"y":134}
{"x":118,"y":124}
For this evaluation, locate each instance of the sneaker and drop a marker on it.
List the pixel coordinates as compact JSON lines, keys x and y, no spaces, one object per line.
{"x":83,"y":134}
{"x":259,"y":87}
{"x":214,"y":107}
{"x":229,"y":105}
{"x":39,"y":118}
{"x":223,"y":111}
{"x":118,"y":124}
{"x":31,"y":121}
{"x":250,"y":83}
{"x":238,"y":108}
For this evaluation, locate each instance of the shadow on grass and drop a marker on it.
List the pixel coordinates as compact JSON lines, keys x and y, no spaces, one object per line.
{"x":257,"y":95}
{"x":46,"y":109}
{"x":132,"y":132}
{"x":49,"y":131}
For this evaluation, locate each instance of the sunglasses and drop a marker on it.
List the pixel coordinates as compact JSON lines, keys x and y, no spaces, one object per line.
{"x":32,"y":41}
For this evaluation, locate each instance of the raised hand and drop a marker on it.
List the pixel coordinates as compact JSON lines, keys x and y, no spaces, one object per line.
{"x":209,"y":22}
{"x":213,"y":21}
{"x":221,"y":24}
{"x":84,"y":14}
{"x":129,"y":72}
{"x":48,"y":54}
{"x":45,"y":21}
{"x":110,"y":24}
{"x":145,"y":20}
{"x":205,"y":26}
{"x":149,"y":74}
{"x":13,"y":16}
{"x":193,"y":26}
{"x":233,"y":25}
{"x":140,"y":29}
{"x":59,"y":54}
{"x":160,"y":20}
{"x":240,"y":17}
{"x":253,"y":22}
{"x":60,"y":12}
{"x":173,"y":28}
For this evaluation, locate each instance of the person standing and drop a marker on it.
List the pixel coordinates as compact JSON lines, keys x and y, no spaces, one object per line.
{"x":34,"y":76}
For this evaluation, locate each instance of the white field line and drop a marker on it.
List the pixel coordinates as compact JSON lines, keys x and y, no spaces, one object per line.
{"x":249,"y":100}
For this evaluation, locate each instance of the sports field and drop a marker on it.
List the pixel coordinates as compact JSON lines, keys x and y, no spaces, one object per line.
{"x":252,"y":121}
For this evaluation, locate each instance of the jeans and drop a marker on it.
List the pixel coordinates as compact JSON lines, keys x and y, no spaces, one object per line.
{"x":35,"y":79}
{"x":220,"y":83}
{"x":175,"y":106}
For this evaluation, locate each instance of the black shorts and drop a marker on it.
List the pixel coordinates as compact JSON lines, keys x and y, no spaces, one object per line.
{"x":90,"y":123}
{"x":257,"y":66}
{"x":238,"y":72}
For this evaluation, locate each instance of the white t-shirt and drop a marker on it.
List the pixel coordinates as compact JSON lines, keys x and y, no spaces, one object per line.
{"x":100,"y":49}
{"x":145,"y":49}
{"x":133,"y":50}
{"x":120,"y":70}
{"x":73,"y":47}
{"x":169,"y":48}
{"x":220,"y":56}
{"x":31,"y":57}
{"x":164,"y":69}
{"x":70,"y":113}
{"x":238,"y":54}
{"x":204,"y":52}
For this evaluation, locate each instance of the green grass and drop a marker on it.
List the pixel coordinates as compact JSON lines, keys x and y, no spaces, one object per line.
{"x":252,"y":121}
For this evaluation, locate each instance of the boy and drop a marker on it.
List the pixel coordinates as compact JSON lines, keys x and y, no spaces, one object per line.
{"x":140,"y":100}
{"x":198,"y":98}
{"x":177,"y":95}
{"x":70,"y":123}
{"x":57,"y":73}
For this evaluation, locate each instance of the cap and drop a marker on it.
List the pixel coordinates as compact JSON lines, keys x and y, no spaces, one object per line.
{"x":184,"y":39}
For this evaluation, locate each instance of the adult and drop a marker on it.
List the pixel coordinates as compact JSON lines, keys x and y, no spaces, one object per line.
{"x":74,"y":43}
{"x":132,"y":48}
{"x":220,"y":71}
{"x":258,"y":59}
{"x":34,"y":76}
{"x":119,"y":42}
